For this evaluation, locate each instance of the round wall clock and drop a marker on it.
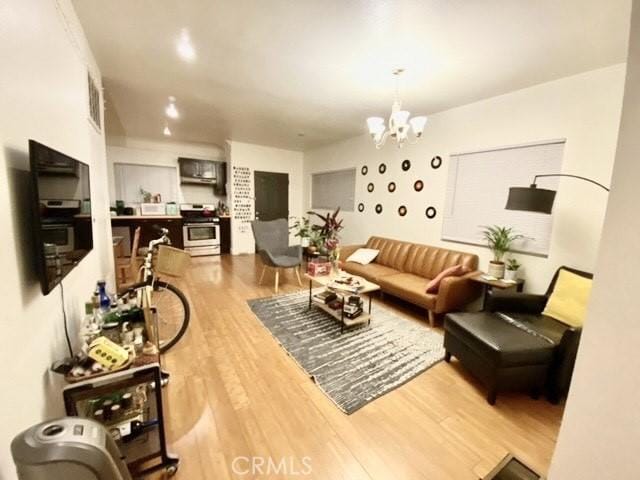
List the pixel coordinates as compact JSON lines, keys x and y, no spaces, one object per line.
{"x":382,"y":168}
{"x":436,"y":162}
{"x":364,"y":170}
{"x":370,"y":187}
{"x":406,"y":165}
{"x":378,"y":208}
{"x":430,"y":212}
{"x":418,"y":185}
{"x":361,"y":207}
{"x":391,"y":187}
{"x":402,"y":210}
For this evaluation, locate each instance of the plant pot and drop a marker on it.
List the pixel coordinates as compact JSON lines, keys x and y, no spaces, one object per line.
{"x":304,"y":242}
{"x":496,"y":269}
{"x":511,"y":275}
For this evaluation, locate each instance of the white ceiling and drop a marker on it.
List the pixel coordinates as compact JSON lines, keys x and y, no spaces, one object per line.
{"x":267,"y":70}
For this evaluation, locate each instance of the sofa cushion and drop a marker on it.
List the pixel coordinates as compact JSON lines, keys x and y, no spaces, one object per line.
{"x":393,"y":253}
{"x":498,"y":341}
{"x":569,"y":299}
{"x":427,"y":261}
{"x":372,"y":272}
{"x":409,"y":287}
{"x":363,"y":256}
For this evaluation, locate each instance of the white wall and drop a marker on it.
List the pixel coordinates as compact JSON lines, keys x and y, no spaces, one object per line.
{"x":165,"y":154}
{"x":266,"y":159}
{"x":43,"y":95}
{"x":584,"y":109}
{"x":600,"y":432}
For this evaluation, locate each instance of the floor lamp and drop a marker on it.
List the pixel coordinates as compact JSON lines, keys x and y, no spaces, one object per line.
{"x":534,"y":199}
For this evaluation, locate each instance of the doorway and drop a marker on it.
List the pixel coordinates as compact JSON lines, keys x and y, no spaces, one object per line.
{"x":272,"y":195}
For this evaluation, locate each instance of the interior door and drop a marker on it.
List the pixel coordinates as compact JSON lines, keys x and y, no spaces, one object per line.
{"x":272,"y":195}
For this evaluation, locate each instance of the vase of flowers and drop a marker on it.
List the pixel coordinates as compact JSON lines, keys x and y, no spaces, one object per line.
{"x":327,"y":233}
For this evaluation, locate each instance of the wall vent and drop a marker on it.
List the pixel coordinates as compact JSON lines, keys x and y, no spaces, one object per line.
{"x":94,"y":102}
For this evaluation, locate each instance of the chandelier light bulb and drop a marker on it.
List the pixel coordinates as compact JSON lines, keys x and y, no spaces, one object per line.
{"x":166,"y":131}
{"x":171,"y":110}
{"x":418,"y":124}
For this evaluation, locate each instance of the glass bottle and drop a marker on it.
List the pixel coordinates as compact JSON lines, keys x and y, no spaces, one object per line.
{"x":105,"y":301}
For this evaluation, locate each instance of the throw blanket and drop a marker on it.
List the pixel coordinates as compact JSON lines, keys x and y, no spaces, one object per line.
{"x":516,"y":323}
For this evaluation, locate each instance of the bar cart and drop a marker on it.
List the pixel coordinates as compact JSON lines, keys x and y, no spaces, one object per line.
{"x":129,"y":404}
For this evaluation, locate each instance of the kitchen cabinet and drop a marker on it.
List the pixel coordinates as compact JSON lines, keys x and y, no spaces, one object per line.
{"x":225,"y":235}
{"x":148,"y":232}
{"x":197,"y":171}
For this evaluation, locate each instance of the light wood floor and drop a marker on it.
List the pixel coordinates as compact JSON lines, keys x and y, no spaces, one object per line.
{"x":234,"y":392}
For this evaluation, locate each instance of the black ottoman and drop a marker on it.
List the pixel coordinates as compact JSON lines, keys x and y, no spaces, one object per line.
{"x":501,"y":355}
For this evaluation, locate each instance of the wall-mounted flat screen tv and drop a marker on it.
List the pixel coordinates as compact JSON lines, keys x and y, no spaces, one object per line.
{"x":62,"y":226}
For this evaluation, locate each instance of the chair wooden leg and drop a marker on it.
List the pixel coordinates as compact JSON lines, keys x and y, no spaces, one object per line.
{"x":277,"y":278}
{"x":297,"y":275}
{"x":264,"y":269}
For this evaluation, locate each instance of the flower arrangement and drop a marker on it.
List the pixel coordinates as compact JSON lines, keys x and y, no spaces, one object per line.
{"x":326,"y":236}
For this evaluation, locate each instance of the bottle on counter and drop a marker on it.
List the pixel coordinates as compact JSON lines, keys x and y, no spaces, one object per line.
{"x":105,"y":301}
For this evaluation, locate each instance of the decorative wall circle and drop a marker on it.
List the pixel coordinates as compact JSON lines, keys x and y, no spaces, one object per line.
{"x":361,"y":207}
{"x":406,"y":165}
{"x":391,"y":187}
{"x":430,"y":212}
{"x":370,"y":187}
{"x":382,"y":168}
{"x":436,"y":162}
{"x":364,"y":170}
{"x":402,"y":210}
{"x":378,"y":208}
{"x":418,"y":185}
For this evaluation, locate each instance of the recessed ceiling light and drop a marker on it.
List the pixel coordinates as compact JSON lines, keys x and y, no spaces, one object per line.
{"x":184,"y":46}
{"x":166,"y":131}
{"x":171,"y":110}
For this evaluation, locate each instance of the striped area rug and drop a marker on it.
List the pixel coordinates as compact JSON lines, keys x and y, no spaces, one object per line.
{"x":358,"y":366}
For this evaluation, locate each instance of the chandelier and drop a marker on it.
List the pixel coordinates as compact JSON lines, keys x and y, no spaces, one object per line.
{"x":400,"y":123}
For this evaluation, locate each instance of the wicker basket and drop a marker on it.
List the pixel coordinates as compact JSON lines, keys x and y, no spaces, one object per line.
{"x":172,"y":261}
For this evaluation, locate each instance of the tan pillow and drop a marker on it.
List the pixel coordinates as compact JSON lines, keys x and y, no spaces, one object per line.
{"x":455,"y":271}
{"x":568,"y":301}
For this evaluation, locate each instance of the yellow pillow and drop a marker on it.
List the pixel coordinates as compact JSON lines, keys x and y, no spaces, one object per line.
{"x":568,"y":301}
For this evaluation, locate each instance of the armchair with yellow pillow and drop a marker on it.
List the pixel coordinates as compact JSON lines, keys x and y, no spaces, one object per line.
{"x":557,"y":316}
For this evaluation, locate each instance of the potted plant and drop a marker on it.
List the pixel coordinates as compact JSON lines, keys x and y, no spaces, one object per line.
{"x":499,"y":240}
{"x":511,"y":274}
{"x":328,"y":235}
{"x":302,"y":229}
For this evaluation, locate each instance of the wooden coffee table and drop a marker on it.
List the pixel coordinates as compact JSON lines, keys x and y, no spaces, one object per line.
{"x":327,"y":282}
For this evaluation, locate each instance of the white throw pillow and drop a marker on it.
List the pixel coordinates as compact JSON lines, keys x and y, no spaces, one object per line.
{"x":363,"y":256}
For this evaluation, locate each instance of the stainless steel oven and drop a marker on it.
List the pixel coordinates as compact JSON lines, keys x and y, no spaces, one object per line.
{"x":202,"y":236}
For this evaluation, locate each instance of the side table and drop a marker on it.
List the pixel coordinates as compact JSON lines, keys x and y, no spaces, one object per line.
{"x":488,"y":285}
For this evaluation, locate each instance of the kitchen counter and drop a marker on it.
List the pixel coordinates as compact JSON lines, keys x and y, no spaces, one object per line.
{"x":146,"y":217}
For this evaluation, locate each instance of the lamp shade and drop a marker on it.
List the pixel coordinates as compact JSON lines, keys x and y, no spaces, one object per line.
{"x":531,"y":199}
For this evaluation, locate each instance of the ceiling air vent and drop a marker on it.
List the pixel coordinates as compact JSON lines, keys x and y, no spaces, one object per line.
{"x":94,"y":102}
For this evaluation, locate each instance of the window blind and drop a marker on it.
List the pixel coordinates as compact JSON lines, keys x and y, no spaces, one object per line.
{"x":478,"y":186}
{"x":130,"y":178}
{"x":330,"y":190}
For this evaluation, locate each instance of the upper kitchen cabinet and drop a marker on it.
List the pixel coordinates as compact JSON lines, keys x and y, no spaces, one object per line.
{"x":204,"y":172}
{"x":197,"y":171}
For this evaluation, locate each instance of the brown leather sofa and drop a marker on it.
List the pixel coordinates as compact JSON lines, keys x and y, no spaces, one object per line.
{"x":404,"y":269}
